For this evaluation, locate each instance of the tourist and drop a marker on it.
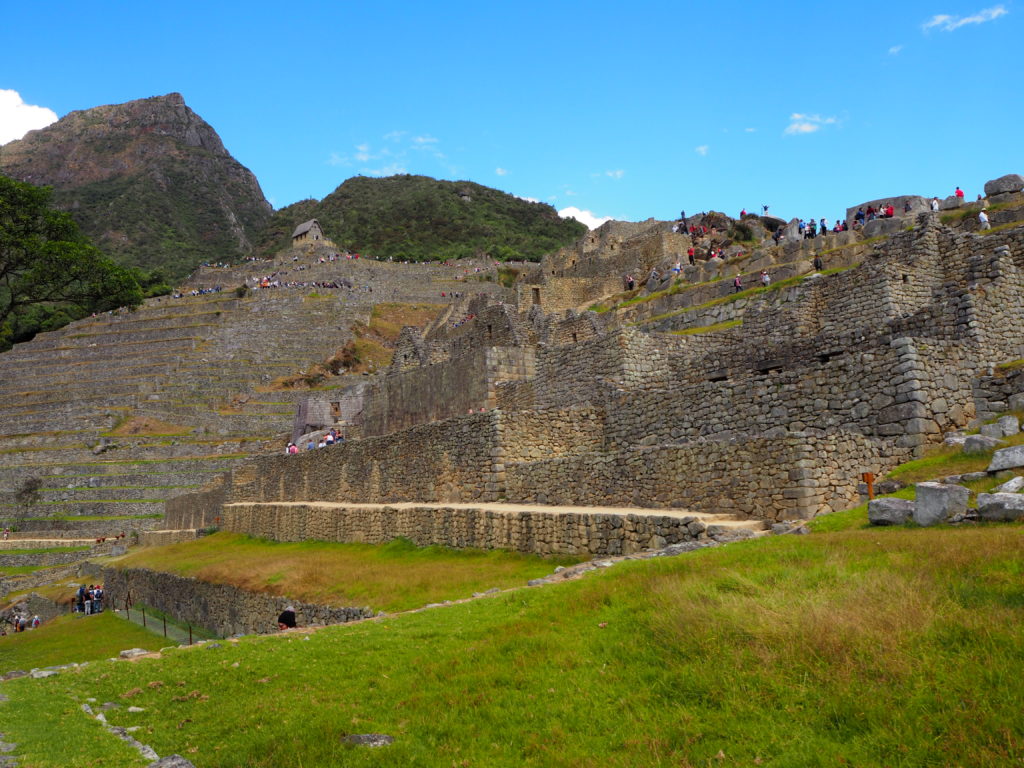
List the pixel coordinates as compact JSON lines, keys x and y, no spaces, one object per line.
{"x":288,"y":448}
{"x":690,"y":253}
{"x":935,"y":205}
{"x":859,"y":216}
{"x":7,"y":533}
{"x":818,"y":264}
{"x":737,"y":284}
{"x":906,"y":206}
{"x":824,"y":227}
{"x":959,"y":193}
{"x":766,"y":279}
{"x":287,"y":618}
{"x":983,"y":220}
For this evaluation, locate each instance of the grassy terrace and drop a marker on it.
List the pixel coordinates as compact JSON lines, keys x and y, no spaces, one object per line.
{"x":394,"y":577}
{"x":856,"y":647}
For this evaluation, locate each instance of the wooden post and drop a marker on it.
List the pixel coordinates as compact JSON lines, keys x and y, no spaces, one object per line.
{"x":165,"y":626}
{"x":190,"y":634}
{"x":143,"y":617}
{"x":869,"y":478}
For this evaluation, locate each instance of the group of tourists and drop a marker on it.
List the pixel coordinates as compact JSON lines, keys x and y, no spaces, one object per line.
{"x":331,"y":437}
{"x":88,"y":600}
{"x":20,"y":623}
{"x":197,"y":292}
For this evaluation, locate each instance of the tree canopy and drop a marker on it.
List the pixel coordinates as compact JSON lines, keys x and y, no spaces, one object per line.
{"x":49,"y":272}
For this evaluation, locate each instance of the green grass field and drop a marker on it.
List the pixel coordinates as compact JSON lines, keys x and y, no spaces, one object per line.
{"x":877,"y":647}
{"x":73,"y":638}
{"x":394,"y":577}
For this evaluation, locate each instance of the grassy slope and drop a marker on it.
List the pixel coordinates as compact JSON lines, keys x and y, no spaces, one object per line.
{"x":73,"y":637}
{"x":396,"y":576}
{"x":866,"y":647}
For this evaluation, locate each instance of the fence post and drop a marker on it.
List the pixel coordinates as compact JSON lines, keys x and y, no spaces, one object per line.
{"x":190,"y":634}
{"x":165,"y":626}
{"x":143,"y":617}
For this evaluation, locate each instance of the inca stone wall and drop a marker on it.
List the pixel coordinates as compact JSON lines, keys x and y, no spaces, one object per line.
{"x":539,"y":532}
{"x":219,"y":608}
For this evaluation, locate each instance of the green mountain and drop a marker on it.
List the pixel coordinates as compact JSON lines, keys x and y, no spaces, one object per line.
{"x":421,"y":219}
{"x":148,"y":181}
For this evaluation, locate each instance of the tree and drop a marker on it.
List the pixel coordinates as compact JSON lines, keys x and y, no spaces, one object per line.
{"x":48,"y":266}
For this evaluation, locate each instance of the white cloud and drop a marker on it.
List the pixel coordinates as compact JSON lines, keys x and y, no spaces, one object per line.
{"x":750,"y":130}
{"x":584,"y":217}
{"x":702,"y":150}
{"x":18,"y":118}
{"x":948,"y":23}
{"x":336,"y":159}
{"x":394,"y":135}
{"x":424,"y":140}
{"x":616,"y":174}
{"x":388,"y":170}
{"x":501,"y":171}
{"x":895,"y":49}
{"x":800,"y":123}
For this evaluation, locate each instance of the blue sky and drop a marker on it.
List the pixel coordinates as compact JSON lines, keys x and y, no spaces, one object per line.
{"x":628,"y":110}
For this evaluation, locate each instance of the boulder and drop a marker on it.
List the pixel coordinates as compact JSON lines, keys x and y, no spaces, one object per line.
{"x":950,"y":203}
{"x":1000,"y":507}
{"x":1009,"y":424}
{"x":890,"y":511}
{"x":877,"y":227}
{"x":1013,"y":485}
{"x":980,"y":444}
{"x":991,"y":430}
{"x":1007,"y":458}
{"x":937,"y":502}
{"x":1016,"y":402}
{"x":1011,"y":182}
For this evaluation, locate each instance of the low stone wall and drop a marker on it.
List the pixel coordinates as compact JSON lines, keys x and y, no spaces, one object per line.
{"x":219,"y":608}
{"x":163,"y":538}
{"x":37,"y":579}
{"x":541,"y":533}
{"x":44,"y":559}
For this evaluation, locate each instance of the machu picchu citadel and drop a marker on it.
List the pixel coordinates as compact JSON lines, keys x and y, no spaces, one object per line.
{"x":354,"y":434}
{"x":557,"y":413}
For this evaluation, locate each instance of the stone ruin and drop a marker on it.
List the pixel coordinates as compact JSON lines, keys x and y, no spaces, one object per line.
{"x":773,"y":418}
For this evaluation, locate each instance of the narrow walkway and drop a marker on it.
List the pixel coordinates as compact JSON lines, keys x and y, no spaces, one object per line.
{"x":175,"y":634}
{"x":726,"y":521}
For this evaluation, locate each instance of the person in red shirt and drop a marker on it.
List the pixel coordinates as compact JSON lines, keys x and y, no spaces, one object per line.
{"x":959,"y":193}
{"x":889,"y":211}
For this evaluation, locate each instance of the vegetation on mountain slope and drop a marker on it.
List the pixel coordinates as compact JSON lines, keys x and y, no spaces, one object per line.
{"x":418,"y":218}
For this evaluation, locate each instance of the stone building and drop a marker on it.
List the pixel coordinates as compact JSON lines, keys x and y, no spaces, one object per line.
{"x":308,"y":232}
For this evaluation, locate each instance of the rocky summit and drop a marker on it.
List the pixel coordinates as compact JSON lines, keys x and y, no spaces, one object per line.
{"x":149,"y":181}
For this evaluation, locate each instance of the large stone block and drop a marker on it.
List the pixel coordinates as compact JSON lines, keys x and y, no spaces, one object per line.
{"x":1012,"y":485}
{"x":1007,"y":458}
{"x":1000,"y":507}
{"x":890,"y":511}
{"x":1011,"y":182}
{"x":1008,"y":425}
{"x":937,"y":502}
{"x":975,"y":444}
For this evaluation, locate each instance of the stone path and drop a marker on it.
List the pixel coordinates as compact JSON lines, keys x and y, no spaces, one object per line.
{"x":727,"y":521}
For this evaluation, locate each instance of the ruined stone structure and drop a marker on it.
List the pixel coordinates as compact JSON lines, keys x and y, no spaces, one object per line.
{"x":773,"y":418}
